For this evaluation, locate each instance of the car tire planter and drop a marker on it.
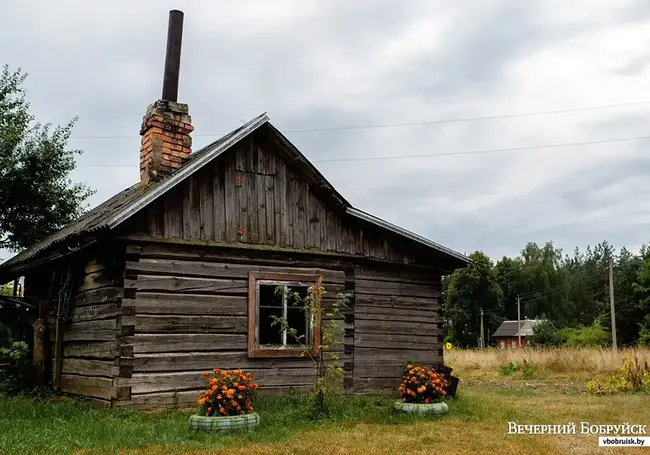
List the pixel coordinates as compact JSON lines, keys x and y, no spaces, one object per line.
{"x":422,"y":408}
{"x":224,"y":423}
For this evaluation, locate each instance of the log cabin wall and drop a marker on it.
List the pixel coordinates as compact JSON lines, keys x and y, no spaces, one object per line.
{"x":189,"y":254}
{"x":91,"y":354}
{"x":397,"y":319}
{"x":191,"y":315}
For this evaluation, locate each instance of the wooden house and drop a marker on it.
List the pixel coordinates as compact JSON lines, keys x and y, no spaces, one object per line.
{"x":171,"y":276}
{"x":509,"y":333}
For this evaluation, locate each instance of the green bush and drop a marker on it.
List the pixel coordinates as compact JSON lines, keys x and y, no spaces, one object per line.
{"x":544,"y":334}
{"x":509,"y":368}
{"x":18,"y":376}
{"x":584,"y":337}
{"x":526,"y":368}
{"x":644,"y":333}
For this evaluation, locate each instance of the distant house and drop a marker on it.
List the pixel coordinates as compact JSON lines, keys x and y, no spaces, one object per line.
{"x":507,"y":334}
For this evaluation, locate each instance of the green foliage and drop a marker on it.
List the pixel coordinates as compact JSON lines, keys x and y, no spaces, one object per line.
{"x":18,"y":377}
{"x":571,"y":290}
{"x":508,"y":369}
{"x":466,"y":291}
{"x":36,"y":194}
{"x":7,"y":289}
{"x":633,"y":376}
{"x":329,"y":372}
{"x":583,"y":337}
{"x":526,"y":368}
{"x":544,"y":334}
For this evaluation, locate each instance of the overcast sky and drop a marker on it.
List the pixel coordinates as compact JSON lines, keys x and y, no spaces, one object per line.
{"x":323,"y":64}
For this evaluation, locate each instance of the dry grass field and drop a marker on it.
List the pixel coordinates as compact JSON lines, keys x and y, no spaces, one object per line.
{"x":545,"y":361}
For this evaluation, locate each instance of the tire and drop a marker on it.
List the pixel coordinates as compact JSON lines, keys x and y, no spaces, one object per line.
{"x":421,"y":408}
{"x":224,"y":423}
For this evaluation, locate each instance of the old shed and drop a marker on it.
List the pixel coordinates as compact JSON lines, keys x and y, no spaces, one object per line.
{"x":172,"y":276}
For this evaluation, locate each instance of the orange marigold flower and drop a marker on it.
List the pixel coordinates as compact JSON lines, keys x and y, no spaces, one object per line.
{"x":242,"y":387}
{"x":205,"y":374}
{"x":219,"y":397}
{"x":421,"y":389}
{"x":222,"y":410}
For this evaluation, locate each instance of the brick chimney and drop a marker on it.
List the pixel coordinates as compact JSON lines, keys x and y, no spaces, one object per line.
{"x":166,"y":126}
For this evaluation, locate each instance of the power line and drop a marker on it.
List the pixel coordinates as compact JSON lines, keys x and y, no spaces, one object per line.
{"x":436,"y":155}
{"x":536,"y":295}
{"x":479,"y":152}
{"x":420,"y":123}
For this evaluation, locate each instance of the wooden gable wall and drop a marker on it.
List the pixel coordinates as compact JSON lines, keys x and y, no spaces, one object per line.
{"x":251,"y":195}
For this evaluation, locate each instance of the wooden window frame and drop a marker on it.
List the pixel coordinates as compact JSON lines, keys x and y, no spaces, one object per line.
{"x":255,"y":350}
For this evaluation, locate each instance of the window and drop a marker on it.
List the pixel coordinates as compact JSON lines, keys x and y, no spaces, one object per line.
{"x":279,"y":324}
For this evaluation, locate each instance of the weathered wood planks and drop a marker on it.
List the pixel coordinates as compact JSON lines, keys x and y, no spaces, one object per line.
{"x":90,"y":354}
{"x":253,"y":188}
{"x":396,"y":320}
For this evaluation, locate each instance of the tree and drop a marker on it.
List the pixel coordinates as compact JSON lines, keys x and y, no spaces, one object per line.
{"x":7,"y":289}
{"x":37,"y":195}
{"x":509,"y":278}
{"x":641,"y":288}
{"x":544,"y":334}
{"x":467,"y":291}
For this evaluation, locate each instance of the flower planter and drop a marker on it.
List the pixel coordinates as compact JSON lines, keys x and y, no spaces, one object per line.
{"x":452,"y":387}
{"x":224,"y":423}
{"x":422,"y":408}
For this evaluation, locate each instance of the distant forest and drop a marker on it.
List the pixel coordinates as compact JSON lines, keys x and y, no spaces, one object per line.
{"x":570,"y":290}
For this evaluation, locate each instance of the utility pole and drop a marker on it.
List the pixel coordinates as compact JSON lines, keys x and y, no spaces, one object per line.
{"x":611,"y":301}
{"x":518,"y":322}
{"x":482,"y":339}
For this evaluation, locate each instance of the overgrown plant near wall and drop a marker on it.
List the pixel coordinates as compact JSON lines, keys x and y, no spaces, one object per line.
{"x":17,"y":377}
{"x":633,"y":376}
{"x":329,"y":372}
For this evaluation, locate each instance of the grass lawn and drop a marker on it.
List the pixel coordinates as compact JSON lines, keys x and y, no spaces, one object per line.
{"x":476,"y":424}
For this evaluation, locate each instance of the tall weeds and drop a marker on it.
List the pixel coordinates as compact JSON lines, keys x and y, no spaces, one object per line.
{"x":557,"y":360}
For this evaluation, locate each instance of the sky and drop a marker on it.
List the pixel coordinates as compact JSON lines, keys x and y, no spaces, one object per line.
{"x":314,"y":64}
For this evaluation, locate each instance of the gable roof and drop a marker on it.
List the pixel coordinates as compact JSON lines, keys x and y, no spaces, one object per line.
{"x":126,"y":203}
{"x":509,"y":328}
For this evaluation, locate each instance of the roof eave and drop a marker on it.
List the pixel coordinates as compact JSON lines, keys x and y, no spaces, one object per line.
{"x":406,"y":233}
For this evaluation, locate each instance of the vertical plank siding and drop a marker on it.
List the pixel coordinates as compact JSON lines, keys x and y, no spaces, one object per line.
{"x":252,"y":188}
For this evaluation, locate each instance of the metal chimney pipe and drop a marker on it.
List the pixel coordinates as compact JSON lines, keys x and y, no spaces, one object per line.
{"x":173,"y":56}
